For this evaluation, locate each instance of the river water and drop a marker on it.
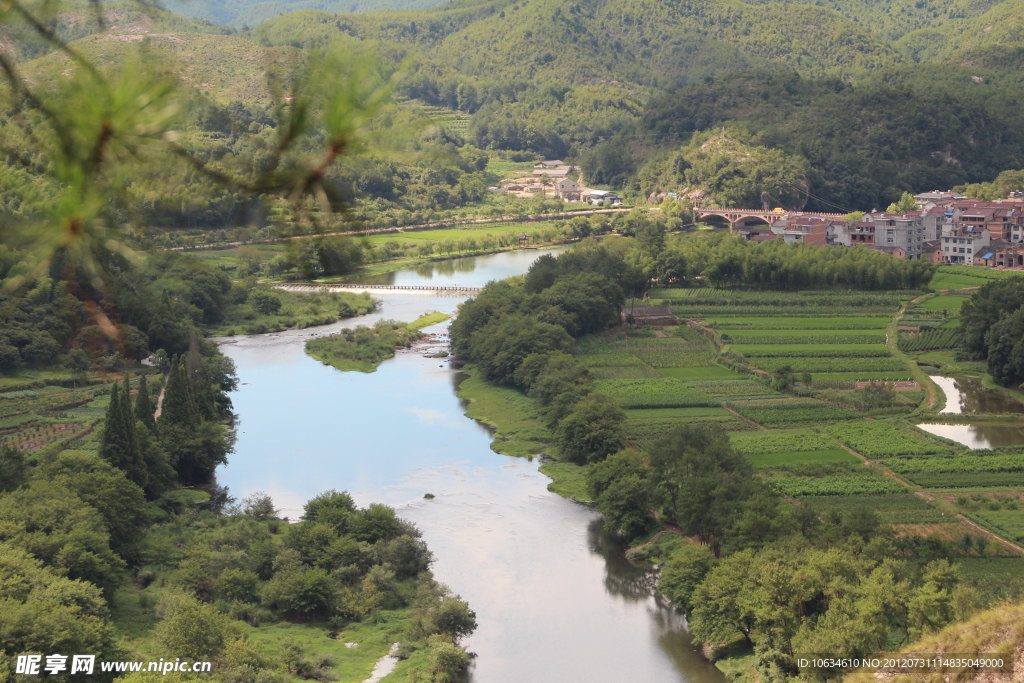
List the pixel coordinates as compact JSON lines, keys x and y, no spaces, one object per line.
{"x":555,"y":601}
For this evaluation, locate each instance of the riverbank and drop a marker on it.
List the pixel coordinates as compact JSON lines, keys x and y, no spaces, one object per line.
{"x":517,"y":423}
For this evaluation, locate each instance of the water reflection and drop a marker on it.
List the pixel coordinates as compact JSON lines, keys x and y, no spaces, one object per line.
{"x":622,"y":579}
{"x":469,"y":271}
{"x":968,"y":395}
{"x":978,"y":435}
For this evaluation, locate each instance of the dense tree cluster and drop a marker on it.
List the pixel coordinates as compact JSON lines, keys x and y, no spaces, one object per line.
{"x":518,"y":332}
{"x":726,"y":260}
{"x":992,"y":329}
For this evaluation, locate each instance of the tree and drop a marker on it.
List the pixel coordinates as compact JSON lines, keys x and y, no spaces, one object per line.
{"x":259,"y":506}
{"x":60,"y":529}
{"x":905,"y":204}
{"x":179,"y":406}
{"x":722,"y":607}
{"x":592,"y":430}
{"x":14,"y":471}
{"x":619,"y":486}
{"x":144,"y":408}
{"x":263,"y":301}
{"x":683,"y":572}
{"x":700,"y":482}
{"x":119,"y":501}
{"x":45,"y":612}
{"x":119,"y":445}
{"x":192,"y":629}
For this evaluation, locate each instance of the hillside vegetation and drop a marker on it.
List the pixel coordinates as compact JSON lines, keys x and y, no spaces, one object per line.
{"x":998,"y":631}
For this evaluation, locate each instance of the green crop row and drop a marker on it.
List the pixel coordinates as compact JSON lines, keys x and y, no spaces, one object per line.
{"x":930,"y":339}
{"x":806,"y":350}
{"x":754,"y":337}
{"x":944,"y":480}
{"x":768,"y":417}
{"x":597,"y":360}
{"x":836,"y":485}
{"x":1007,"y":462}
{"x":688,"y":310}
{"x":707,"y":372}
{"x":895,"y":508}
{"x":826,"y":364}
{"x":881,"y":439}
{"x":783,"y":440}
{"x":771,"y":460}
{"x":822,"y":323}
{"x":622,"y":372}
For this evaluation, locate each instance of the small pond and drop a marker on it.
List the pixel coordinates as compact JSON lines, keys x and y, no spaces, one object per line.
{"x":967,"y":395}
{"x":979,"y":435}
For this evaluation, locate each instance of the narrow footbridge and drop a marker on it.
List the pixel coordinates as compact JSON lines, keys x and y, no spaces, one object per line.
{"x":453,"y":290}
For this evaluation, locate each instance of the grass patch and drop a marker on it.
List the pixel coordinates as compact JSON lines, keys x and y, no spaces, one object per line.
{"x":518,"y":421}
{"x":704,"y":372}
{"x":567,"y":480}
{"x":896,"y":508}
{"x":865,"y":375}
{"x":780,"y":440}
{"x":799,"y":323}
{"x":769,"y":460}
{"x":819,"y":350}
{"x":943,"y":302}
{"x":623,"y":372}
{"x":831,"y":364}
{"x":351,"y":665}
{"x":881,"y":439}
{"x":676,"y":412}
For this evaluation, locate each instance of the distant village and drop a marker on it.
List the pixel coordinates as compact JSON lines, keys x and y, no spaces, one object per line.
{"x":945,"y":228}
{"x":553,"y":176}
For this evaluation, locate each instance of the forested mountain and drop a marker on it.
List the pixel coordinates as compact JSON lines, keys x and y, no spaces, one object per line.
{"x":873,"y":99}
{"x":240,"y":13}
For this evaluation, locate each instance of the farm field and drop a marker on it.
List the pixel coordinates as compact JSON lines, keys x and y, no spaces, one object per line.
{"x":798,"y":323}
{"x":808,"y":441}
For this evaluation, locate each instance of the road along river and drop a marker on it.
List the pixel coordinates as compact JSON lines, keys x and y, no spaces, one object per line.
{"x":555,"y":601}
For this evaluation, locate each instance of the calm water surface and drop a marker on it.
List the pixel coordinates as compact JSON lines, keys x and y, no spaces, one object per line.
{"x":979,"y":434}
{"x":967,"y":395}
{"x":555,"y":601}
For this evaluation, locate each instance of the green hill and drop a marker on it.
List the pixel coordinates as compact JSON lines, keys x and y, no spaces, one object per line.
{"x":76,"y":19}
{"x":239,"y":13}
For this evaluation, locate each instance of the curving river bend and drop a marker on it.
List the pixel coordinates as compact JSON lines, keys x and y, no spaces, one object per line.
{"x":555,"y":601}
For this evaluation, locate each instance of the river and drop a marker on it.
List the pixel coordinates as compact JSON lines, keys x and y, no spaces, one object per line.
{"x":555,"y":601}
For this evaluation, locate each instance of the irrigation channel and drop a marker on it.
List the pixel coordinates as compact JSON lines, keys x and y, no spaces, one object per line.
{"x":555,"y":600}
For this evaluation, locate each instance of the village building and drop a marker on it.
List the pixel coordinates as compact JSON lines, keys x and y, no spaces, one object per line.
{"x":555,"y":163}
{"x":567,"y":189}
{"x":931,"y":251}
{"x":895,"y":252}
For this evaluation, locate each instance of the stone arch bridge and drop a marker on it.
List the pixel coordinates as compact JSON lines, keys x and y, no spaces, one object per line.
{"x":742,"y":218}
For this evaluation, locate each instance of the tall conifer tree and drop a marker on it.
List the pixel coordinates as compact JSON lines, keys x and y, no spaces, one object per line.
{"x":144,"y":405}
{"x":179,"y":407}
{"x":116,"y":443}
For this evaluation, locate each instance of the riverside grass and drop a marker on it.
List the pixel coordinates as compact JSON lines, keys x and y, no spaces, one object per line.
{"x":362,"y":349}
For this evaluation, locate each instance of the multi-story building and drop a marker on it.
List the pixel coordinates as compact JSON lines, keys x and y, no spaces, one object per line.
{"x":905,"y":231}
{"x":961,"y":241}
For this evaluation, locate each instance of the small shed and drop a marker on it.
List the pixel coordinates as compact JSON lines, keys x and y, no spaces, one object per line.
{"x":649,"y":315}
